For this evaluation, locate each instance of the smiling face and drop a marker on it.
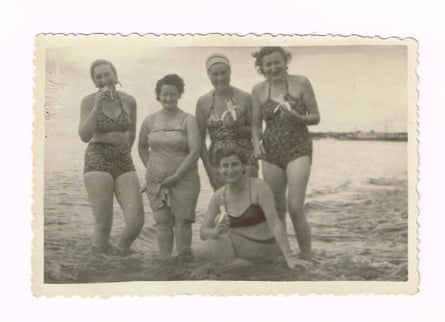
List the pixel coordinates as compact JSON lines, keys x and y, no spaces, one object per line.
{"x":169,"y":97}
{"x":231,"y":168}
{"x":104,"y":76}
{"x":219,"y":75}
{"x":274,"y":66}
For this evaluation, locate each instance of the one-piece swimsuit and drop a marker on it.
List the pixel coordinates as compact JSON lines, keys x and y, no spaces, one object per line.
{"x":284,"y":139}
{"x":223,"y":134}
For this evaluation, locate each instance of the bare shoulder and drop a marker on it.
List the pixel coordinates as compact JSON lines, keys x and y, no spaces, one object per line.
{"x":148,"y":122}
{"x":300,"y":80}
{"x":241,"y":96}
{"x":189,"y":118}
{"x":260,"y":186}
{"x":259,"y":88}
{"x":127,"y":99}
{"x":89,"y":99}
{"x":204,"y":101}
{"x":217,"y":196}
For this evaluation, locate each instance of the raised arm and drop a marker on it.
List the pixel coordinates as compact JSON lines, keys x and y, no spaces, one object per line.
{"x":267,"y":203}
{"x":89,"y":110}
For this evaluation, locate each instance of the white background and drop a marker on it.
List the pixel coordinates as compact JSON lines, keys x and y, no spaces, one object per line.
{"x":21,"y":22}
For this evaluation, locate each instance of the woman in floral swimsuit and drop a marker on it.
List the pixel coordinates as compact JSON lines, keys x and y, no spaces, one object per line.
{"x":108,"y":125}
{"x":224,"y":113}
{"x":287,"y":104}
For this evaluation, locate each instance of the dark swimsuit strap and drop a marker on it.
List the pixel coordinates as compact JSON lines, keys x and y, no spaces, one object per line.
{"x":225,"y":191}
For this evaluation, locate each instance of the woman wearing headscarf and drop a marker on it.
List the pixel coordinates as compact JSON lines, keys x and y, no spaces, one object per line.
{"x":225,"y":114}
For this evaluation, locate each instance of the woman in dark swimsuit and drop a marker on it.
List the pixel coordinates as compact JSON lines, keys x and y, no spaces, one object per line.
{"x":108,"y":123}
{"x":241,"y":219}
{"x":225,"y":114}
{"x":287,"y":104}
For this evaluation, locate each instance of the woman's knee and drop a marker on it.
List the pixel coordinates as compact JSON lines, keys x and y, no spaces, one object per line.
{"x":183,"y":223}
{"x":164,"y":219}
{"x":137,"y":222}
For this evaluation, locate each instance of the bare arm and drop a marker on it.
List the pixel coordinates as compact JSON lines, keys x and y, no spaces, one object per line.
{"x":208,"y":228}
{"x":257,"y":122}
{"x":194,"y":145}
{"x":245,"y":130}
{"x":88,"y":117}
{"x":313,"y":116}
{"x":143,"y":146}
{"x":132,"y":105}
{"x":267,"y":203}
{"x":201,"y":119}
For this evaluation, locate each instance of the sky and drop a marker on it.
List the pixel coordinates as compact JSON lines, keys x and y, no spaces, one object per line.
{"x":356,"y":87}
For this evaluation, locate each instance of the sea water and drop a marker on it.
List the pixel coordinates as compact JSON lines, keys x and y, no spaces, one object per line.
{"x":356,"y":205}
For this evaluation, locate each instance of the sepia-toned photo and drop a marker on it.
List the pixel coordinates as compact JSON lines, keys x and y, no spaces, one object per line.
{"x":224,"y":165}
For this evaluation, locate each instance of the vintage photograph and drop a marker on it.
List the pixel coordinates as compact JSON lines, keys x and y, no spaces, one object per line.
{"x":222,"y":160}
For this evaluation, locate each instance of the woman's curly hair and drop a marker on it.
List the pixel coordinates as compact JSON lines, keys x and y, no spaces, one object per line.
{"x":264,"y":51}
{"x":171,"y":79}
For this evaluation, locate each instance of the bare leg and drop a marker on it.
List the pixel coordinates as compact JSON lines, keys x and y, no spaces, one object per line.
{"x":298,"y":172}
{"x":275,"y":177}
{"x":99,"y":186}
{"x":164,"y":230}
{"x":183,"y":235}
{"x":126,"y":188}
{"x":214,"y":250}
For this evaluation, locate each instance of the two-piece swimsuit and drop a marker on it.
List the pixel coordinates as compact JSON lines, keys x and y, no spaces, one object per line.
{"x":247,"y":247}
{"x":284,"y":139}
{"x":114,"y":158}
{"x":223,"y":134}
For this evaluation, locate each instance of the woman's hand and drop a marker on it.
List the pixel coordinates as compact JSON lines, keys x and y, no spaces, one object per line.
{"x":287,"y":113}
{"x":222,"y":225}
{"x":214,"y":178}
{"x":99,"y":97}
{"x":258,"y":150}
{"x":170,"y":181}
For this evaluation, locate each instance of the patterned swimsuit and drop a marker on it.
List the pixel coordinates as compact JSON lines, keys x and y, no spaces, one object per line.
{"x":114,"y":158}
{"x":223,"y":134}
{"x":284,"y":139}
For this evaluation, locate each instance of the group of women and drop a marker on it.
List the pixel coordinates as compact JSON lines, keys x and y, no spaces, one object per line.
{"x":246,"y":215}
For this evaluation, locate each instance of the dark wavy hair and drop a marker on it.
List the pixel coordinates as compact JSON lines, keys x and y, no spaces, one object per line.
{"x":228,"y":152}
{"x":264,"y":51}
{"x":171,"y":79}
{"x":99,"y":62}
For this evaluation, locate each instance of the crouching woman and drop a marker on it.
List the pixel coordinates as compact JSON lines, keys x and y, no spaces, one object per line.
{"x":241,"y":220}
